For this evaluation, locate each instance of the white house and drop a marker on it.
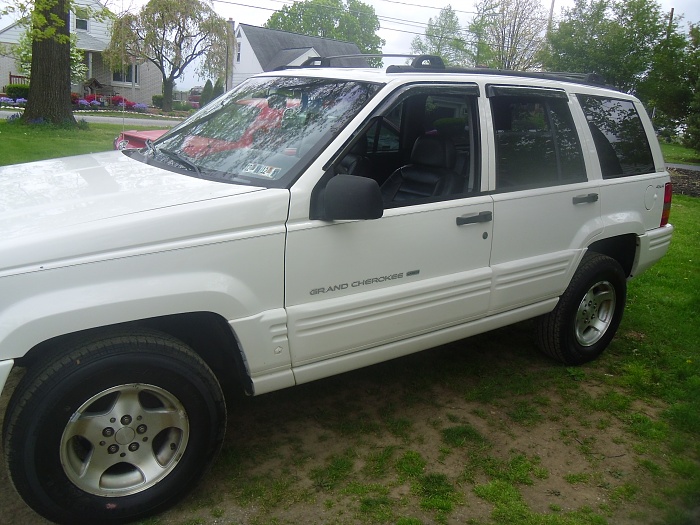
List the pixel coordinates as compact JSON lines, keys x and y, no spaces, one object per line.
{"x":139,"y":83}
{"x":259,"y":49}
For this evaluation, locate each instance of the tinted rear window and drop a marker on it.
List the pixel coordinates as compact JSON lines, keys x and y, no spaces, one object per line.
{"x":619,"y":136}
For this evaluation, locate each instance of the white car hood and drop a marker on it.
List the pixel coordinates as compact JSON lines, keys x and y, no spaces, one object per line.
{"x":101,"y":206}
{"x":75,"y":190}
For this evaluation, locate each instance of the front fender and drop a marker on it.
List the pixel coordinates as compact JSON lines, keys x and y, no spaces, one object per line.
{"x":234,"y":279}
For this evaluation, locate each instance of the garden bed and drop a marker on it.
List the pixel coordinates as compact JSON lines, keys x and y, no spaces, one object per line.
{"x":685,"y":182}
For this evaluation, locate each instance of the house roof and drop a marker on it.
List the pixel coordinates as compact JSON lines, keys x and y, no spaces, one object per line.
{"x":88,"y":42}
{"x":274,"y":48}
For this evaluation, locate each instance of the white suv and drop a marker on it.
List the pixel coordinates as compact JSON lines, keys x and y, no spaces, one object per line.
{"x":309,"y":222}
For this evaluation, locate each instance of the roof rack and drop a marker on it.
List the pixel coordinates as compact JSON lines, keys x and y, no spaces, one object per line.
{"x":326,"y":61}
{"x":435,"y":64}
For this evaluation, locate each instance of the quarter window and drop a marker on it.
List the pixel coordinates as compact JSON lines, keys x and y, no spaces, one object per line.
{"x":619,"y":136}
{"x":536,"y":142}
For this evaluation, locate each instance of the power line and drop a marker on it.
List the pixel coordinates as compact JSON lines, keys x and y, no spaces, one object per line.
{"x":398,"y":21}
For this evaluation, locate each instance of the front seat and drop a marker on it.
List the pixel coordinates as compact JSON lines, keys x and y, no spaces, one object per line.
{"x":430,"y":173}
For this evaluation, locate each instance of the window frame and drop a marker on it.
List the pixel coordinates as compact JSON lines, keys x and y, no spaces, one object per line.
{"x":126,"y":74}
{"x":542,"y":96}
{"x":601,"y":155}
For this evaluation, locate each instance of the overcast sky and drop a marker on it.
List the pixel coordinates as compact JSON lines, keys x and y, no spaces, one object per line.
{"x":400,"y":20}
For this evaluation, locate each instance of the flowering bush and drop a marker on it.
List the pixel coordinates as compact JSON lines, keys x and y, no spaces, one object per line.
{"x":95,"y":103}
{"x":141,"y":108}
{"x":82,"y":103}
{"x":74,"y":97}
{"x":6,"y":100}
{"x":21,"y":101}
{"x":92,"y":97}
{"x":122,"y":102}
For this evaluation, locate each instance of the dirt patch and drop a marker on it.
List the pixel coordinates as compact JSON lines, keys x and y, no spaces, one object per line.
{"x":527,"y":422}
{"x":685,"y":182}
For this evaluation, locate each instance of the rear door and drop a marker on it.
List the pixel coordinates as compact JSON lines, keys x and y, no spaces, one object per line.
{"x":545,"y":209}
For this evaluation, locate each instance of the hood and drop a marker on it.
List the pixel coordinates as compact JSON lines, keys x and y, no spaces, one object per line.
{"x":59,"y":193}
{"x":92,"y":207}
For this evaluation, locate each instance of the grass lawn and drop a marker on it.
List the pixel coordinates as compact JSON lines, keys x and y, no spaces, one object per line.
{"x":483,"y":431}
{"x":28,"y":143}
{"x":677,"y":154}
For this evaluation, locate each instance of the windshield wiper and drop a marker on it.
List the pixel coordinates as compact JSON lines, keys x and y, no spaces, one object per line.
{"x":150,"y":147}
{"x":174,"y":155}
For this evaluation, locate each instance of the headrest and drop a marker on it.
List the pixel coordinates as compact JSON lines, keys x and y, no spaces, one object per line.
{"x":434,"y":151}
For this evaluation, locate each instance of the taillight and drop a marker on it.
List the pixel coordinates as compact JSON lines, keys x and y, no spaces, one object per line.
{"x":666,"y":213}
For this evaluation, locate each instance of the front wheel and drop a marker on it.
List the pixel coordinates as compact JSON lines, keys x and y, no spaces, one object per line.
{"x":114,"y":429}
{"x":588,"y":314}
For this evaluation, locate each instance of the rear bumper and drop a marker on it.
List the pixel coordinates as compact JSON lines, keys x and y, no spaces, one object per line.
{"x":651,"y":247}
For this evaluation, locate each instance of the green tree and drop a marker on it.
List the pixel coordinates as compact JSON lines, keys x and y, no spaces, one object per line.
{"x":218,"y":88}
{"x":207,"y":94}
{"x":353,"y":21}
{"x":614,"y":38}
{"x":443,"y":37}
{"x":172,"y":35}
{"x":691,"y":137}
{"x":667,"y":87}
{"x":22,"y":53}
{"x":49,"y":89}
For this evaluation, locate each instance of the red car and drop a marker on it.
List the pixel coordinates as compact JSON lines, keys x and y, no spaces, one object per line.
{"x":266,"y":119}
{"x":134,"y":139}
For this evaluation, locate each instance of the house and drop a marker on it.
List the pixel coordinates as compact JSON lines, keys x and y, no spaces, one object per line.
{"x":259,"y":49}
{"x":138,"y":83}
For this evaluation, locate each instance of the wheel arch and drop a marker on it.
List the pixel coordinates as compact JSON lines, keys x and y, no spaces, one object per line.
{"x":622,"y":248}
{"x":208,"y":334}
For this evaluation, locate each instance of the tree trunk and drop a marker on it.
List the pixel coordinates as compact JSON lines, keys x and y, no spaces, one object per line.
{"x":168,"y":94}
{"x":49,"y":85}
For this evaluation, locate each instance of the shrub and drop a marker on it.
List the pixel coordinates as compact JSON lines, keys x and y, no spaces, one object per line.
{"x":74,"y":97}
{"x":218,"y":88}
{"x":181,"y":106}
{"x":157,"y":101}
{"x":17,"y":90}
{"x":207,"y":93}
{"x":92,"y":97}
{"x":122,"y":102}
{"x":6,"y":100}
{"x":141,"y":108}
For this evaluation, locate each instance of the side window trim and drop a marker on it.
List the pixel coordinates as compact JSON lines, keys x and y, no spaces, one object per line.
{"x":499,"y":90}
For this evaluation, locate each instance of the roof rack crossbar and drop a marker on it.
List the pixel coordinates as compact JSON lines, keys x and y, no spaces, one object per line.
{"x":435,"y":64}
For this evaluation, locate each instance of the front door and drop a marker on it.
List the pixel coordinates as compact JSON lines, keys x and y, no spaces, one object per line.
{"x":352,"y":286}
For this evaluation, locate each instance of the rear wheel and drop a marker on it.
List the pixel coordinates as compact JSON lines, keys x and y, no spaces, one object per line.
{"x":114,"y":429}
{"x":588,"y":314}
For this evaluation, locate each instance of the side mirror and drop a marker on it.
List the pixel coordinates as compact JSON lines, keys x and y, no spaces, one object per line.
{"x":349,"y":197}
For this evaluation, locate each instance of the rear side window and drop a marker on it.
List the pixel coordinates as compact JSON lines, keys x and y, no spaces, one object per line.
{"x":619,"y":136}
{"x":536,"y":142}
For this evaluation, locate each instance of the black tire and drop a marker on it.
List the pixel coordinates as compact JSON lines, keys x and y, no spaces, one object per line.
{"x":113,"y":429}
{"x":588,"y":314}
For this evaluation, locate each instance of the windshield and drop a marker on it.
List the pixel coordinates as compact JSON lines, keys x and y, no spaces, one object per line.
{"x":263,"y":132}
